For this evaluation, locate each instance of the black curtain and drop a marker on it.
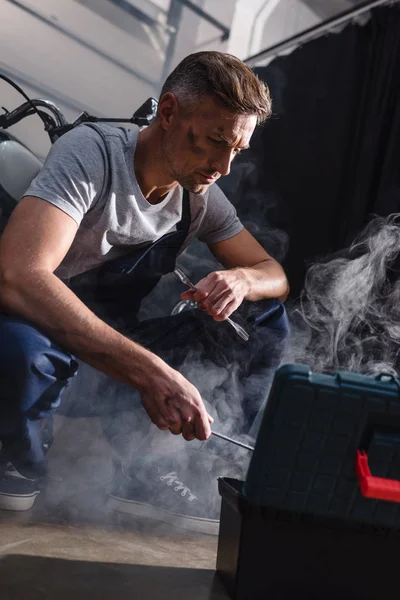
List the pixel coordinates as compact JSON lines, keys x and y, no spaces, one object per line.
{"x":329,"y":158}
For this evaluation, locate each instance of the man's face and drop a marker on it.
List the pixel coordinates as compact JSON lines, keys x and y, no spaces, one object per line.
{"x":199,"y":148}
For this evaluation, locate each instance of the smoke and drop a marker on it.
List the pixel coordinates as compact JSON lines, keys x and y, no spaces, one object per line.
{"x":109,"y":425}
{"x":349,"y":311}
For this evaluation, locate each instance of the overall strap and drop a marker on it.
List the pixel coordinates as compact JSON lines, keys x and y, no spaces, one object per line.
{"x":186,"y":219}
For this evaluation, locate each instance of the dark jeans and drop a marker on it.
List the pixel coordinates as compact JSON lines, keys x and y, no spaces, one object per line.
{"x":232,"y":375}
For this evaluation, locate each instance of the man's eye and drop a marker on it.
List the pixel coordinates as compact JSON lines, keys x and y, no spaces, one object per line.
{"x":214,"y":141}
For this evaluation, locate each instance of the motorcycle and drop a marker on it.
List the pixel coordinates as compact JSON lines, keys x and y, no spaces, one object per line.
{"x":19,"y":165}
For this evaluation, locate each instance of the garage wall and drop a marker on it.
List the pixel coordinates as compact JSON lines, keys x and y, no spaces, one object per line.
{"x":90,"y":55}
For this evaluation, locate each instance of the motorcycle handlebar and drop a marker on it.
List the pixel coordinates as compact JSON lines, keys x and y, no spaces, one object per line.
{"x":25,"y":109}
{"x":56,"y":124}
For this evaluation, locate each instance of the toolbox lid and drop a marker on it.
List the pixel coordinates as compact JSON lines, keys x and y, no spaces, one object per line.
{"x":306,"y":454}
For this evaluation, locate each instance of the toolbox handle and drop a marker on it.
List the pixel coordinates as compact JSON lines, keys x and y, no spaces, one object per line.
{"x":375,"y":487}
{"x":389,"y":377}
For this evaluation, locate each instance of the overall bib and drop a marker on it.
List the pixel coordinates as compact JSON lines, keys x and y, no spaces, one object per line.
{"x":34,"y":370}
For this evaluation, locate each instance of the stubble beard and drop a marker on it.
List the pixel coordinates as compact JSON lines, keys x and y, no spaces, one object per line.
{"x":187,"y":181}
{"x":192,"y":186}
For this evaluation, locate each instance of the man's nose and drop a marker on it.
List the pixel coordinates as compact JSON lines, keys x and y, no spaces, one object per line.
{"x":222,"y":163}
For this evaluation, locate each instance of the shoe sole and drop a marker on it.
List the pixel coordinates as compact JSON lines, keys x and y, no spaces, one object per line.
{"x":195,"y":524}
{"x":18,"y":502}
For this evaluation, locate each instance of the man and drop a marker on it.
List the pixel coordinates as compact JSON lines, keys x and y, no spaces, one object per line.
{"x":104,"y":219}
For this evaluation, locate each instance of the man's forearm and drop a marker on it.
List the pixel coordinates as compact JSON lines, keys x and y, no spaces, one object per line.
{"x":41,"y":298}
{"x":266,"y":280}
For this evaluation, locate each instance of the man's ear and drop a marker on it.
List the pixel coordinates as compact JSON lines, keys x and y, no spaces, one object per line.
{"x":167,"y":110}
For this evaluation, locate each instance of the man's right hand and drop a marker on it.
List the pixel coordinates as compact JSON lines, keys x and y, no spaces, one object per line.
{"x":173,"y":403}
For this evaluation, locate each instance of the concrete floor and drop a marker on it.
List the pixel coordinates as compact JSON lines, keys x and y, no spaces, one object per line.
{"x":69,"y":547}
{"x":43,"y":561}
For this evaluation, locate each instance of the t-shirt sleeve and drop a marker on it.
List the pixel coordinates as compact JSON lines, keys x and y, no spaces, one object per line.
{"x":220,"y":221}
{"x":73,"y":174}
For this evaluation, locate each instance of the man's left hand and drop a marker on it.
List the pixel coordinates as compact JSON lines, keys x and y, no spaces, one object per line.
{"x":220,"y":293}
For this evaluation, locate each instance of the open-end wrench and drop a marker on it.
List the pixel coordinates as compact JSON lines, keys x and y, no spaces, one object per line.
{"x":186,"y":281}
{"x":228,"y":439}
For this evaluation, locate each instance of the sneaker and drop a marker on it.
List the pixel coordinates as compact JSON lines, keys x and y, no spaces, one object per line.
{"x":17,"y":492}
{"x":158,"y":487}
{"x":19,"y":485}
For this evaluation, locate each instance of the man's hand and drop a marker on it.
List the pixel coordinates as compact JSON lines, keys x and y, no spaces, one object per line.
{"x":251,"y":275}
{"x":220,"y":293}
{"x":173,"y":403}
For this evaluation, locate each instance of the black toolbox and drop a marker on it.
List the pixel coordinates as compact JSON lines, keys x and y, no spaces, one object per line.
{"x":311,"y":521}
{"x":278,"y":555}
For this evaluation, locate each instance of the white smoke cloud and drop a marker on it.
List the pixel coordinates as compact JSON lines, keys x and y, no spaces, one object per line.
{"x":349,"y":313}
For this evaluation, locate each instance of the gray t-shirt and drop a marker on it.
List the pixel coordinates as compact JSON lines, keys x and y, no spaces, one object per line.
{"x":89,"y":174}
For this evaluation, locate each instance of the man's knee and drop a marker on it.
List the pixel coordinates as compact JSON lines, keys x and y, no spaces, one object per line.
{"x":20,"y":345}
{"x":30,"y":363}
{"x":272,"y":315}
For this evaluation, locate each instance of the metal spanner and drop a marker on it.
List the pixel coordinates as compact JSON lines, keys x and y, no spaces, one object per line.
{"x":229,"y":439}
{"x":238,"y":328}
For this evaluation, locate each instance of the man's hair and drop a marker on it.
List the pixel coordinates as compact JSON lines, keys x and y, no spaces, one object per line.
{"x":225,"y":78}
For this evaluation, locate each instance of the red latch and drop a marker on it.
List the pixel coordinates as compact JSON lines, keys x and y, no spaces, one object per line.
{"x":375,"y":487}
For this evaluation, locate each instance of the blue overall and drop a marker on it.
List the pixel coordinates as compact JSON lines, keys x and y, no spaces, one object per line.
{"x":34,"y":370}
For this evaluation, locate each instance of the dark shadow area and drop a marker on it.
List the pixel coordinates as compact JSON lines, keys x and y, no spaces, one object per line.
{"x":38,"y":578}
{"x":327,"y":161}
